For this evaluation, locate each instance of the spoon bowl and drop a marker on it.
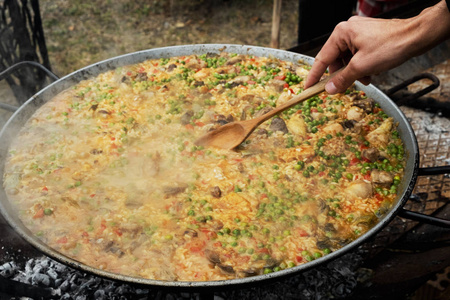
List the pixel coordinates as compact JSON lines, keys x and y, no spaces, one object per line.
{"x":231,"y":135}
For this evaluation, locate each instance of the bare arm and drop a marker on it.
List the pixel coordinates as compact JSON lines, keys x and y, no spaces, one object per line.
{"x":369,"y":46}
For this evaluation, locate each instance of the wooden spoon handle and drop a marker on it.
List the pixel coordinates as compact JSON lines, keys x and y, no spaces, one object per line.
{"x":317,"y":88}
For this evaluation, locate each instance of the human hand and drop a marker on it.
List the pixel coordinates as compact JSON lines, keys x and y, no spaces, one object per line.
{"x":369,"y":46}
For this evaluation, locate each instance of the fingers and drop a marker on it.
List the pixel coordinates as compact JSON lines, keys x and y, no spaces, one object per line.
{"x":317,"y":70}
{"x":329,"y":56}
{"x":355,"y":70}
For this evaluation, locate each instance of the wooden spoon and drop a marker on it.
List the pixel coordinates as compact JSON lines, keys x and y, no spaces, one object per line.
{"x":231,"y":135}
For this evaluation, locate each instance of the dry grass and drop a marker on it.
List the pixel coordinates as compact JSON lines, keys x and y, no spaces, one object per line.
{"x":79,"y":32}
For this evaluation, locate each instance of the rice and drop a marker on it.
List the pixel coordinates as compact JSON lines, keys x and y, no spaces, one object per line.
{"x":108,"y":173}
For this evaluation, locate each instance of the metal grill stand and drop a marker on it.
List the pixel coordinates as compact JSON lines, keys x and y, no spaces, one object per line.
{"x":22,"y":39}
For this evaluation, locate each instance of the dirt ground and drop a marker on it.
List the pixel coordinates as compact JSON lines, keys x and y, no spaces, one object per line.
{"x":79,"y":32}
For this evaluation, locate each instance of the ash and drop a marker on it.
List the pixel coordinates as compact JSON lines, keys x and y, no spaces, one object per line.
{"x":337,"y":280}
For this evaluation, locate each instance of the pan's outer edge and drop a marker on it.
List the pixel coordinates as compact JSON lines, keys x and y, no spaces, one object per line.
{"x":13,"y":125}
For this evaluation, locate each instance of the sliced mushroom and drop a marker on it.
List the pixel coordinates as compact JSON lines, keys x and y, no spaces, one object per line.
{"x":216,"y":192}
{"x":263,"y":111}
{"x":175,"y":189}
{"x":262,"y":131}
{"x":186,"y":117}
{"x":191,"y":232}
{"x":132,"y":228}
{"x":226,"y":269}
{"x":270,"y":263}
{"x":329,"y":227}
{"x":96,"y":151}
{"x":171,"y":67}
{"x":141,"y":77}
{"x":323,"y":244}
{"x":198,"y":83}
{"x":103,"y":113}
{"x":322,"y":205}
{"x":352,"y":126}
{"x":248,"y":273}
{"x":216,"y":224}
{"x":278,"y":125}
{"x":366,"y":104}
{"x":366,"y":220}
{"x":113,"y":248}
{"x":212,"y":256}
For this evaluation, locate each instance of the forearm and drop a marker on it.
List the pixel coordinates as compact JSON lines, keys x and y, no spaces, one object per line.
{"x":369,"y":46}
{"x":428,"y":29}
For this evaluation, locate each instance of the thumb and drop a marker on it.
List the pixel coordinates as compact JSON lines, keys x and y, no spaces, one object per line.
{"x":340,"y":82}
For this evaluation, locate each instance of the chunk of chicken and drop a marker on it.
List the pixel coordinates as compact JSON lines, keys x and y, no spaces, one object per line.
{"x":380,"y":136}
{"x":304,"y":153}
{"x":355,"y":113}
{"x":360,"y":188}
{"x":297,"y":125}
{"x":333,"y":128}
{"x":381,"y":177}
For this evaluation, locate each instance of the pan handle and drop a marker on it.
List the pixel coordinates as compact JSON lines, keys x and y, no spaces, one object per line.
{"x":411,"y":80}
{"x":415,"y":216}
{"x":19,"y":65}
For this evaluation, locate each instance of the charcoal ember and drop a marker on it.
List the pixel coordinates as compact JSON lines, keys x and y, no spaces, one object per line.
{"x":41,"y":280}
{"x":65,"y":286}
{"x":52,"y":273}
{"x":74,"y":278}
{"x":60,"y":268}
{"x":8,"y":269}
{"x":141,"y":291}
{"x":74,"y":287}
{"x":45,"y":263}
{"x":170,"y":297}
{"x":123,"y":289}
{"x":91,"y":282}
{"x":29,"y":266}
{"x":66,"y":296}
{"x":37,"y":269}
{"x":99,"y":294}
{"x":58,"y":282}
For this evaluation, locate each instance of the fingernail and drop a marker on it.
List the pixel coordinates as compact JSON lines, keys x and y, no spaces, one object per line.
{"x":330,"y":88}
